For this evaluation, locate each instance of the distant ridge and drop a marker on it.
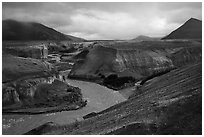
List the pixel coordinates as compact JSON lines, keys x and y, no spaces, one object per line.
{"x":145,"y":38}
{"x":16,"y":30}
{"x":191,"y":29}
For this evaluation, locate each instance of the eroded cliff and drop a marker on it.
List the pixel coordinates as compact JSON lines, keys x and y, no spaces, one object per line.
{"x":138,"y":61}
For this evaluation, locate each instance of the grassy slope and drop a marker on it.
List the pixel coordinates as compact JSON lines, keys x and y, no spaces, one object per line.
{"x":16,"y":68}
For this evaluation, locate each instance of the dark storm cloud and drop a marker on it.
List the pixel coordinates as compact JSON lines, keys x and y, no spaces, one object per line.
{"x":106,"y":20}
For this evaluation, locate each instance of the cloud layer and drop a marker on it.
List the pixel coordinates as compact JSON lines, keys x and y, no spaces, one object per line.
{"x":106,"y":20}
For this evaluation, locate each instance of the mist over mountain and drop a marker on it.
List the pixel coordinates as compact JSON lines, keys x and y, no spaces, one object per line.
{"x":16,"y":30}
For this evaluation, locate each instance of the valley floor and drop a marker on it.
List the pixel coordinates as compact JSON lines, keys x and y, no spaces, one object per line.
{"x":169,"y":104}
{"x":168,"y":101}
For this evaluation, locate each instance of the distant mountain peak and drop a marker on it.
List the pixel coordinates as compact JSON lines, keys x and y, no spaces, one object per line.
{"x":193,"y":19}
{"x":191,"y":29}
{"x":145,"y":38}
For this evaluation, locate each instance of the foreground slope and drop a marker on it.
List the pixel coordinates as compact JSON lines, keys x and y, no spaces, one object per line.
{"x":191,"y":29}
{"x":16,"y":30}
{"x":170,"y":104}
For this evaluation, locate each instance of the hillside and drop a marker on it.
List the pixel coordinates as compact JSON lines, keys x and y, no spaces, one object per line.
{"x":27,"y":31}
{"x":191,"y":29}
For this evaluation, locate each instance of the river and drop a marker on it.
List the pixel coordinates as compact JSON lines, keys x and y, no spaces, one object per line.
{"x":98,"y":97}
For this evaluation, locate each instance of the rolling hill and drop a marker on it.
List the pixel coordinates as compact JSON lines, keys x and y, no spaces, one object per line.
{"x":191,"y":29}
{"x":26,"y":31}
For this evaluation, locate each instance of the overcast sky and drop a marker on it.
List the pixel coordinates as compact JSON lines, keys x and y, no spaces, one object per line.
{"x":106,"y":20}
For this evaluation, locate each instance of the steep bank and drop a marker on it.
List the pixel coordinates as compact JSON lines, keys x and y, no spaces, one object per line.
{"x":103,"y":61}
{"x":139,"y":61}
{"x":99,"y":59}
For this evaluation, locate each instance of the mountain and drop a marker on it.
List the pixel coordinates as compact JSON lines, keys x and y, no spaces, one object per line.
{"x":16,"y":30}
{"x":191,"y":29}
{"x":145,"y":38}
